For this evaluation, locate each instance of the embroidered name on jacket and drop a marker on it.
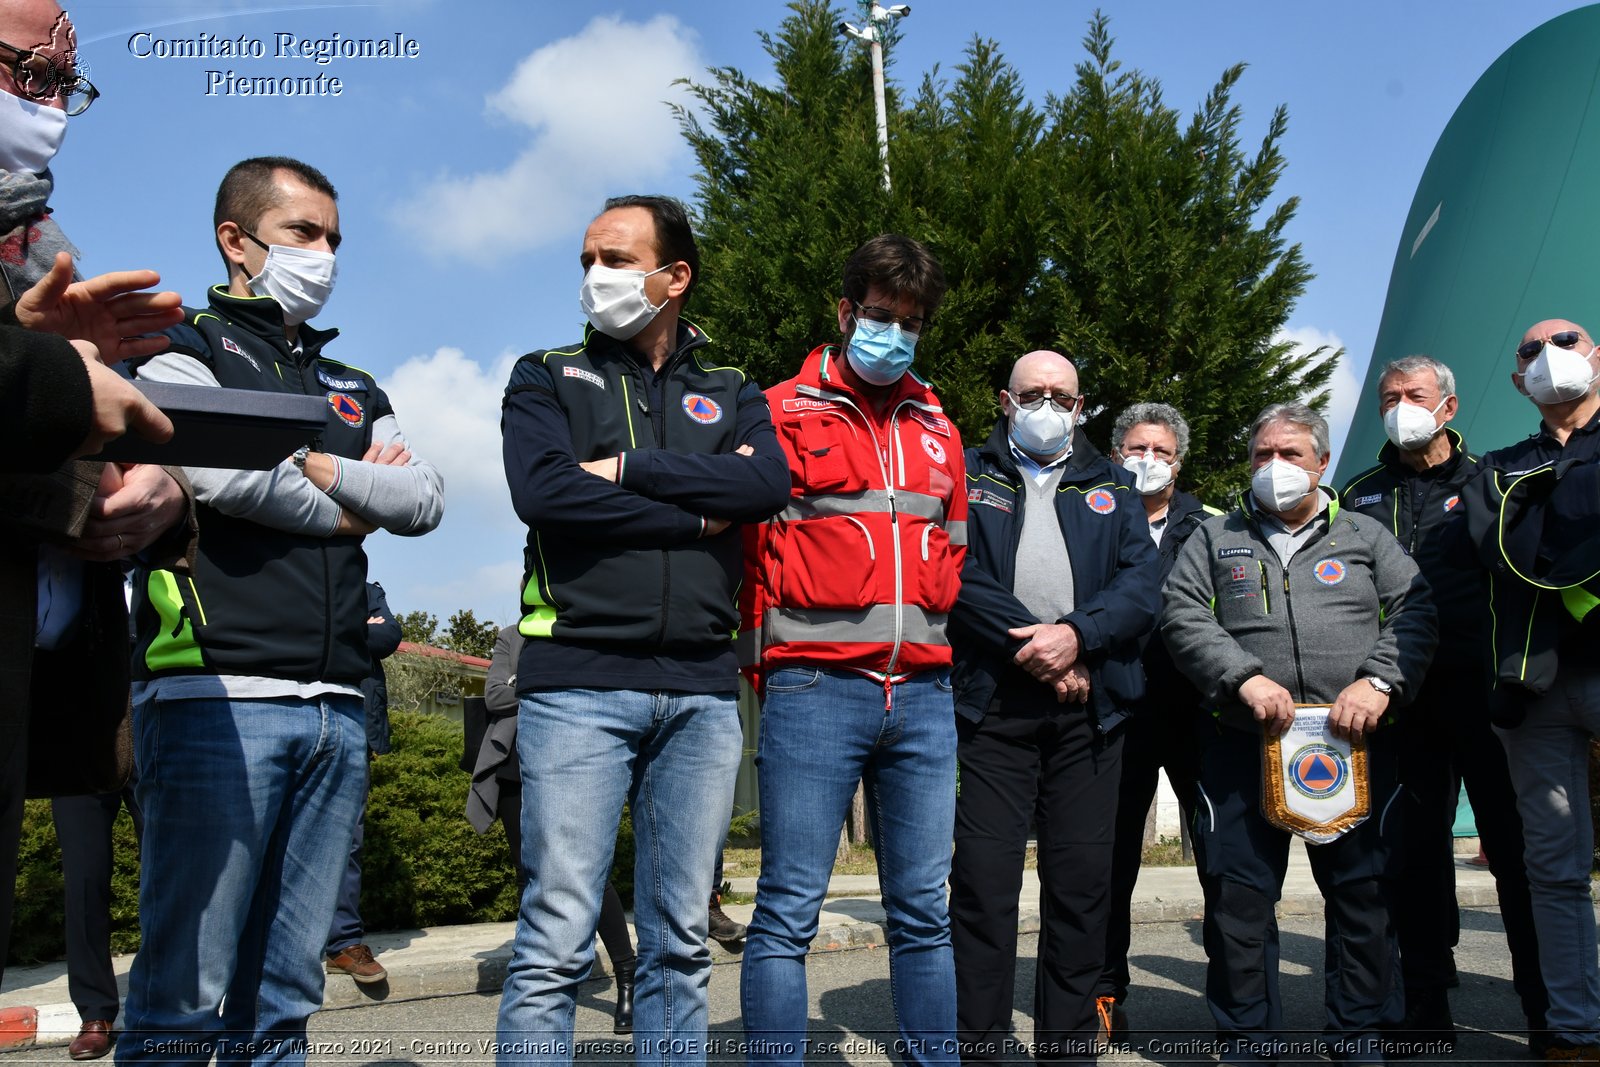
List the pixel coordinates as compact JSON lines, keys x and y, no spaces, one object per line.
{"x":1363,"y":501}
{"x":349,"y":384}
{"x":800,"y":403}
{"x":988,"y":499}
{"x":1244,"y":550}
{"x":937,"y":423}
{"x":586,"y":375}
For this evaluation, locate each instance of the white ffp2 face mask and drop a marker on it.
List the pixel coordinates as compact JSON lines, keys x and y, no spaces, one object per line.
{"x":299,"y":279}
{"x":1044,"y":431}
{"x":1279,"y":485}
{"x":1150,"y":475}
{"x":1410,"y":426}
{"x":30,"y":134}
{"x":614,"y":300}
{"x":1557,"y":375}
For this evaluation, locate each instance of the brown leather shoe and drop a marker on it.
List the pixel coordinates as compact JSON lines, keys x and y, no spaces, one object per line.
{"x":93,"y":1040}
{"x":357,"y":962}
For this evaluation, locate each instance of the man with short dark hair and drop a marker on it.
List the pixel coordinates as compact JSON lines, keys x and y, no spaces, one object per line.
{"x":629,"y":455}
{"x":1059,"y":586}
{"x":1445,"y":737}
{"x":250,"y":744}
{"x":1289,"y":600}
{"x":845,"y":603}
{"x":1532,"y":518}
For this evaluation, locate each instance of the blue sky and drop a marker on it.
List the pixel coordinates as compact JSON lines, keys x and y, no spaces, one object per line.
{"x":467,"y":174}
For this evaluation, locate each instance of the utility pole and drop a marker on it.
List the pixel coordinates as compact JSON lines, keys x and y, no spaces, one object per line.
{"x":873,"y":35}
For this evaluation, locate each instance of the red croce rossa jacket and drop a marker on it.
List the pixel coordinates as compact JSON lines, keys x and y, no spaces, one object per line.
{"x":860,"y":571}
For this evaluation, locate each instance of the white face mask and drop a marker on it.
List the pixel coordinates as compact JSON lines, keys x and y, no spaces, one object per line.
{"x":1279,"y":485}
{"x":614,"y":300}
{"x":299,"y":279}
{"x":30,"y":134}
{"x":1410,"y":426}
{"x":1150,"y":475}
{"x":1557,"y":375}
{"x":1044,"y":431}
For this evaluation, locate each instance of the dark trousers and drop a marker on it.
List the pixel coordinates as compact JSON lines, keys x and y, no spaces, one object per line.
{"x":1028,"y":758}
{"x":1444,"y":740}
{"x":1153,"y":738}
{"x":1243,"y":859}
{"x":347,"y":928}
{"x":13,"y":785}
{"x":613,"y":925}
{"x":84,"y":826}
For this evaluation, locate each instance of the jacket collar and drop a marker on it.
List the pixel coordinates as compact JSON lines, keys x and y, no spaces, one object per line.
{"x":819,"y":377}
{"x":1085,"y":461}
{"x":1181,"y":506}
{"x":689,"y":338}
{"x":1389,"y":456}
{"x":262,"y":316}
{"x":1254,"y":515}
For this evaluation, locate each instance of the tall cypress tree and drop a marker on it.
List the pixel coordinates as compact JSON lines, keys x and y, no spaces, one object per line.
{"x":1147,"y":249}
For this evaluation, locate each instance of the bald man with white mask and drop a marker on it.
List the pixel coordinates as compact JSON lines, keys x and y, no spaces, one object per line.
{"x":1059,"y":585}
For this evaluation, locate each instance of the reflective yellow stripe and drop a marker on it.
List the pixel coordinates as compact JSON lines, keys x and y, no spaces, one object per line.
{"x":174,"y":644}
{"x":1579,"y":602}
{"x":541,"y":619}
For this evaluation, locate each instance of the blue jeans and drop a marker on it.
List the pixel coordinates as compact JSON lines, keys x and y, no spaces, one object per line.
{"x":1548,"y":755}
{"x":248,"y":807}
{"x":821,"y":733}
{"x":673,"y":757}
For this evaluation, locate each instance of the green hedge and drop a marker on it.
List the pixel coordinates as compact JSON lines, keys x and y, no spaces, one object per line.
{"x":423,"y":864}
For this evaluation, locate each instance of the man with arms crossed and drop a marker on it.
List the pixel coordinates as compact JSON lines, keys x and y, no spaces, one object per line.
{"x":629,"y":455}
{"x":248,"y":705}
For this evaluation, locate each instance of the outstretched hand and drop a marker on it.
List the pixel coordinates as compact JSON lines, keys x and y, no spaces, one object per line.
{"x":109,"y":311}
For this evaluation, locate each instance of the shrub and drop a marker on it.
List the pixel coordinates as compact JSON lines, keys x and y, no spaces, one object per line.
{"x":422,"y":864}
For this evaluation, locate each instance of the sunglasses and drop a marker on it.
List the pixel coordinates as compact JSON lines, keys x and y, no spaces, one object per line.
{"x":1564,"y":339}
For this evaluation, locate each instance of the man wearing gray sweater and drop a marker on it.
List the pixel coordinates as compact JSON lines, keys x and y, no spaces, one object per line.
{"x":1289,"y":600}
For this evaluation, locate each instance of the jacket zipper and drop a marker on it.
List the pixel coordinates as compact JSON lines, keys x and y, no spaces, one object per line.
{"x":886,"y":469}
{"x":1294,"y":633}
{"x":660,"y":433}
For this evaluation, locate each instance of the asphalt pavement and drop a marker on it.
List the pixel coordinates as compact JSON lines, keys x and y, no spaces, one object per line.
{"x":452,"y":960}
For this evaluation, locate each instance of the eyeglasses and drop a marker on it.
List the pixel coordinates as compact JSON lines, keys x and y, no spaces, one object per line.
{"x":1565,"y":339}
{"x":909,"y":323}
{"x":1029,"y":400}
{"x":1160,"y":452}
{"x":39,"y":78}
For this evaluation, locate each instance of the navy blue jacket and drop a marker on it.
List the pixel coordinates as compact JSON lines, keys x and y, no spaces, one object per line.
{"x":382,"y":639}
{"x":622,"y":588}
{"x":1116,"y":580}
{"x":1167,"y":692}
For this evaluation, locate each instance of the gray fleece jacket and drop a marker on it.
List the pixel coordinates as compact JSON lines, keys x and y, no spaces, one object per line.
{"x":1350,"y":604}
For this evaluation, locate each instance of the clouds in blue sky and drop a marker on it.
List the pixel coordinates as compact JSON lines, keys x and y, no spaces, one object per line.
{"x":588,"y":135}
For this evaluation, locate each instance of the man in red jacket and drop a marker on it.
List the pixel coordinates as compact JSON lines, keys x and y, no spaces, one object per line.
{"x":845,"y":596}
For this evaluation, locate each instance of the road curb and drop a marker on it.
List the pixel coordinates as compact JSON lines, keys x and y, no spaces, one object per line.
{"x":420,"y":970}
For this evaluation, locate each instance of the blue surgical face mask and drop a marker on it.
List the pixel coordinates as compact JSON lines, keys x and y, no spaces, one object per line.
{"x":880,"y":352}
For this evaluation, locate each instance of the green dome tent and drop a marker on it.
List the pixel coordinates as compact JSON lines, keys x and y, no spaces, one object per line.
{"x":1504,"y":230}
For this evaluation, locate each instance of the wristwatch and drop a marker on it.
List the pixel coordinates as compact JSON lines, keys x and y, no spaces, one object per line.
{"x":1380,"y":685}
{"x":299,"y":457}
